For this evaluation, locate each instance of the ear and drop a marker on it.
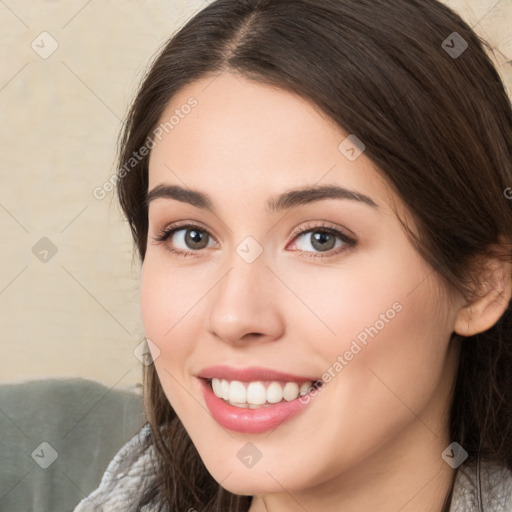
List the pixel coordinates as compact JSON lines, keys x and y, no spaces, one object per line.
{"x":491,"y":300}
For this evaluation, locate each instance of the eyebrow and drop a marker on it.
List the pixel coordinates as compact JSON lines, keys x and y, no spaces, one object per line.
{"x":287,"y":200}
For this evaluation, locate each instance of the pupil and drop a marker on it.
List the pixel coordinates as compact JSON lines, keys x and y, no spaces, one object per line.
{"x":323,"y":239}
{"x":194,"y":238}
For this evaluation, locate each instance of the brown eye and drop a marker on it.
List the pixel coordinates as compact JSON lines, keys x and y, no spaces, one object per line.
{"x":185,"y":239}
{"x":195,"y":239}
{"x":319,"y":239}
{"x":322,"y":240}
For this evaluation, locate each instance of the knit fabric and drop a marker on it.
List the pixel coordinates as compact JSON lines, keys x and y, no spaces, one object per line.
{"x":126,"y":475}
{"x":495,"y":488}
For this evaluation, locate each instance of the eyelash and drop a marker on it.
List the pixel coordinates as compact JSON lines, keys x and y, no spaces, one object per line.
{"x":167,"y":233}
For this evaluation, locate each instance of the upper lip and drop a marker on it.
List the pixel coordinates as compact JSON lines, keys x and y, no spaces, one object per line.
{"x":249,"y":374}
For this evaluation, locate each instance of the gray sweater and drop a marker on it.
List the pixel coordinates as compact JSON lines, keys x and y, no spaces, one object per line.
{"x":130,"y":471}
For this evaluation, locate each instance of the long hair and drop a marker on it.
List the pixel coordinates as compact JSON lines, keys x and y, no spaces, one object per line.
{"x":435,"y":119}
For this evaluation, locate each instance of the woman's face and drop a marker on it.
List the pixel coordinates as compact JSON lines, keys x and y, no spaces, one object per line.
{"x":360,"y":310}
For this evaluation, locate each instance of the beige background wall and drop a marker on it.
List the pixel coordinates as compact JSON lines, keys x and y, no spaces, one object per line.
{"x":77,"y":313}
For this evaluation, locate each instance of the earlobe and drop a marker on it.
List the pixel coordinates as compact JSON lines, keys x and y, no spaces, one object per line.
{"x":490,"y":303}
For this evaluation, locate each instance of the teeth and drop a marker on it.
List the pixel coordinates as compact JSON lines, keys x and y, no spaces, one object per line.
{"x":216,"y":387}
{"x":224,"y":389}
{"x":274,"y":393}
{"x":291,"y":391}
{"x":237,"y":392}
{"x":255,"y":394}
{"x":304,"y":388}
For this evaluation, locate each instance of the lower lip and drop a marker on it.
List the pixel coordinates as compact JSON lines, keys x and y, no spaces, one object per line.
{"x":252,"y":421}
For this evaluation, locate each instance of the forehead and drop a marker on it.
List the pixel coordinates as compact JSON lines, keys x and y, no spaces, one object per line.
{"x":246,"y":137}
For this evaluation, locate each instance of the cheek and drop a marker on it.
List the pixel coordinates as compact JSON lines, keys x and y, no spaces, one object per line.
{"x":363,"y":294}
{"x":388,"y":356}
{"x":170,"y":303}
{"x":402,"y":346}
{"x":396,"y":377}
{"x":386,"y":326}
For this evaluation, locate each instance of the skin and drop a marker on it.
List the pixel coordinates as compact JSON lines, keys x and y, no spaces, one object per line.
{"x":373,"y":437}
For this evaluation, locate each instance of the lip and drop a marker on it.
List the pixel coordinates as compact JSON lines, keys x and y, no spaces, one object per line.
{"x":252,"y":421}
{"x":250,"y":374}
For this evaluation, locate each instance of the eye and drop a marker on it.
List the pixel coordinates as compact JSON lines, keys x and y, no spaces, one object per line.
{"x":192,"y":238}
{"x":322,"y":239}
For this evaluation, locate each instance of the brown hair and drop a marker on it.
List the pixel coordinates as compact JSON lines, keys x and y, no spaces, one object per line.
{"x":438,"y":127}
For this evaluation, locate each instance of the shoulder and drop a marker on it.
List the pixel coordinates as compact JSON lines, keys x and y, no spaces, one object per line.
{"x":482,"y":488}
{"x":126,"y":475}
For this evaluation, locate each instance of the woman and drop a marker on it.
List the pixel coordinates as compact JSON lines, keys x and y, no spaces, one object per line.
{"x":316,"y":189}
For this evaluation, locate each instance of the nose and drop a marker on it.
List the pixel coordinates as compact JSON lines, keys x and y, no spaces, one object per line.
{"x":245,"y":304}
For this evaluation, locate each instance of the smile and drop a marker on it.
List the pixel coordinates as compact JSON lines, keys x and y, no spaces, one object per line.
{"x":258,"y":394}
{"x":249,"y":418}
